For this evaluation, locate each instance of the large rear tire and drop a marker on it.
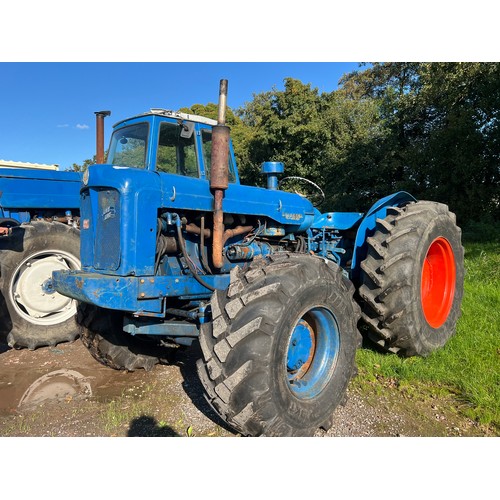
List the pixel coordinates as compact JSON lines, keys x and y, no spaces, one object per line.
{"x":412,"y":279}
{"x":280,"y":349}
{"x":33,"y":314}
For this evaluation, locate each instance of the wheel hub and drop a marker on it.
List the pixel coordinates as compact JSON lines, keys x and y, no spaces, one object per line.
{"x":48,"y":287}
{"x":33,"y":293}
{"x":438,"y":282}
{"x":312,"y":352}
{"x":301,"y":350}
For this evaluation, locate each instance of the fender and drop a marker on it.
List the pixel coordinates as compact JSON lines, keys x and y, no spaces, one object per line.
{"x":368,"y":225}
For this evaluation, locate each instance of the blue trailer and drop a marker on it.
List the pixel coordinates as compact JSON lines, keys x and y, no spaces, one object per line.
{"x":176,"y":251}
{"x":39,"y":233}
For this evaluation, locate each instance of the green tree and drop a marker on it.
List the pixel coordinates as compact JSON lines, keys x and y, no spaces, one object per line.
{"x":329,"y":138}
{"x":442,"y":130}
{"x":76,"y":167}
{"x":354,"y":150}
{"x":461,"y":143}
{"x":286,"y":127}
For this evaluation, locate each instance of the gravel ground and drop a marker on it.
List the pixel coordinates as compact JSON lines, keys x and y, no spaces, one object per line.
{"x":63,"y":391}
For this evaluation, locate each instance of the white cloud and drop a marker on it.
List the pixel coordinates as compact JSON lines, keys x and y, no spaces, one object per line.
{"x":64,"y":125}
{"x":82,"y":126}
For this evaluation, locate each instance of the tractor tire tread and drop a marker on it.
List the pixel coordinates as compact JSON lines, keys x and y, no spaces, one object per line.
{"x":234,"y":383}
{"x":101,"y":334}
{"x":15,"y":330}
{"x":388,"y":294}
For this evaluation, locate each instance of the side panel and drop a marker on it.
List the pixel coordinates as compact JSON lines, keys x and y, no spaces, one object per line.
{"x":181,"y":193}
{"x":133,"y":294}
{"x":39,"y":189}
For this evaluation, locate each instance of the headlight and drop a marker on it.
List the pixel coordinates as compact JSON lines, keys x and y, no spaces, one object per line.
{"x":86,"y":177}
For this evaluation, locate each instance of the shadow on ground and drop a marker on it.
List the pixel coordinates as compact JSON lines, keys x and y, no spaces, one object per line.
{"x":146,"y":426}
{"x":186,"y":360}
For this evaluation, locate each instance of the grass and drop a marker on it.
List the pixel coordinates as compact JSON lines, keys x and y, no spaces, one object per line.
{"x":469,"y":365}
{"x":134,"y":403}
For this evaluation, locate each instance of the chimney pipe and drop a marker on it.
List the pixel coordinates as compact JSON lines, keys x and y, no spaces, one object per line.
{"x":100,"y":115}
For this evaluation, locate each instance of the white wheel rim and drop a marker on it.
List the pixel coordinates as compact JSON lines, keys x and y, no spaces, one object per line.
{"x":31,"y":289}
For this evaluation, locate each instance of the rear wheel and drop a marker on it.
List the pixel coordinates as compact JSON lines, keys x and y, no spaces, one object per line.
{"x":34,"y":313}
{"x":412,"y":279}
{"x":279,"y":352}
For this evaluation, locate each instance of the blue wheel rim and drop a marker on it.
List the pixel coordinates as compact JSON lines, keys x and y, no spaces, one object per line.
{"x":312,"y":352}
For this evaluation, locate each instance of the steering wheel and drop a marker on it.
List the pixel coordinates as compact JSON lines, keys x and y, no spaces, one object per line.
{"x":8,"y":222}
{"x":303,"y":187}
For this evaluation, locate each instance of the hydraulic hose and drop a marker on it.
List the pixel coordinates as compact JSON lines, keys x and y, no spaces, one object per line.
{"x":182,"y":244}
{"x":203,"y":250}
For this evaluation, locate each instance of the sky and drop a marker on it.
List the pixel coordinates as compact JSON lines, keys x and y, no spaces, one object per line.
{"x":47,"y":109}
{"x":56,"y":71}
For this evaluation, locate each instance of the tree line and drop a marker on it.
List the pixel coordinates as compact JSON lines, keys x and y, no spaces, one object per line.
{"x":431,"y":129}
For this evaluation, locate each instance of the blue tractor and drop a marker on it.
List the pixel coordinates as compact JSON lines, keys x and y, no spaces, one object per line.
{"x":39,"y":233}
{"x":175,"y":251}
{"x":39,"y":213}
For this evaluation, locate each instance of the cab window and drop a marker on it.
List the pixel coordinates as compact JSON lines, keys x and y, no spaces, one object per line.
{"x":176,"y":150}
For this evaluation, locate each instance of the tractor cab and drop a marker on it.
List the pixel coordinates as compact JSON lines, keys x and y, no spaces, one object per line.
{"x":167,"y":141}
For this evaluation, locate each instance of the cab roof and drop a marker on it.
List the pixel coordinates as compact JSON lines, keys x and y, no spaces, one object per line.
{"x":173,"y":114}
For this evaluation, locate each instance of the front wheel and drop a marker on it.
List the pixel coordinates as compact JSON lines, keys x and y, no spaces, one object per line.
{"x":102,"y":334}
{"x":279,"y":352}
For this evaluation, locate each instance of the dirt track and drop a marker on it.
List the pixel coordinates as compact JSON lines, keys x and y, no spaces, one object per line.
{"x":63,"y":391}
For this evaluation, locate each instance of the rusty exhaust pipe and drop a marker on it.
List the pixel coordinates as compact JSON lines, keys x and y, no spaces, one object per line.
{"x":219,"y":177}
{"x":100,"y":115}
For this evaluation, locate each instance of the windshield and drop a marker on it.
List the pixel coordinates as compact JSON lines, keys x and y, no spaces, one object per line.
{"x":128,"y":146}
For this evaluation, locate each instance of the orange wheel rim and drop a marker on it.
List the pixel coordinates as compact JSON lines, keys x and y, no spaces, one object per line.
{"x":438,"y":282}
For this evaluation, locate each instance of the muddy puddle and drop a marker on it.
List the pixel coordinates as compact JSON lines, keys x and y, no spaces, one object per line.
{"x":65,"y":372}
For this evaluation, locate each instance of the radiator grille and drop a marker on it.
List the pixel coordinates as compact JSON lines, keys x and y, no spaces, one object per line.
{"x":107,"y":230}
